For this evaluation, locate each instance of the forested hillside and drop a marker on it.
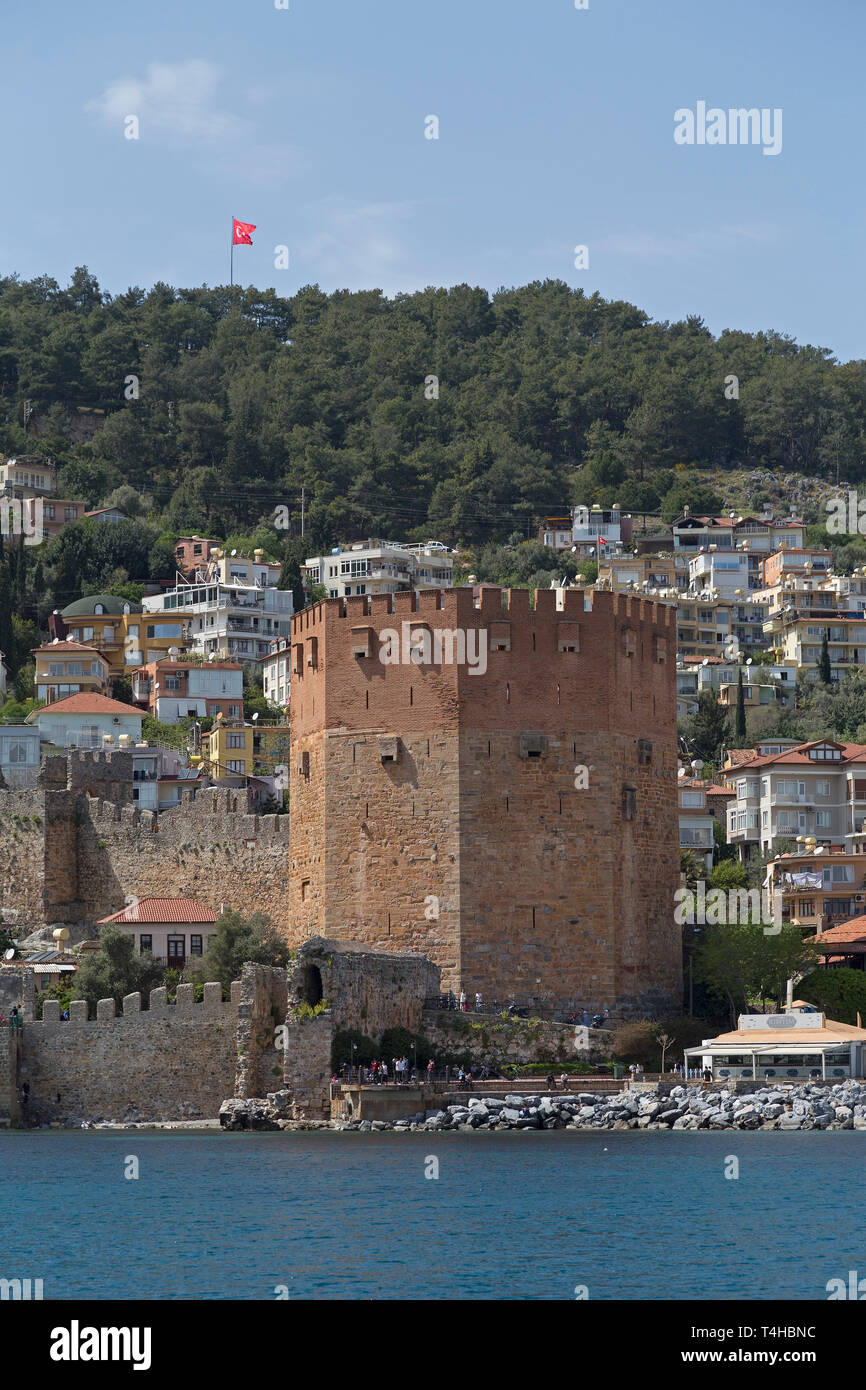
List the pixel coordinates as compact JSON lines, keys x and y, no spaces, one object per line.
{"x":546,"y":396}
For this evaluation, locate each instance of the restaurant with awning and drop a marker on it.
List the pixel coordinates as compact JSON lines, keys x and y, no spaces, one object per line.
{"x":799,"y":1044}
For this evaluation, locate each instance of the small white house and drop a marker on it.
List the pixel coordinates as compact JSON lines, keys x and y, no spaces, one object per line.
{"x":87,"y":720}
{"x":19,"y":756}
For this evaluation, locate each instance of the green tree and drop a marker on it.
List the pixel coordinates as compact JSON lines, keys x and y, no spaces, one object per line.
{"x":116,"y":969}
{"x":839,"y":993}
{"x":825,"y":673}
{"x":743,"y":963}
{"x":239,"y":939}
{"x":708,"y":727}
{"x":740,"y":721}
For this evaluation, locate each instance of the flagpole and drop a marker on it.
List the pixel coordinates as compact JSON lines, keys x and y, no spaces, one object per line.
{"x":232,"y":256}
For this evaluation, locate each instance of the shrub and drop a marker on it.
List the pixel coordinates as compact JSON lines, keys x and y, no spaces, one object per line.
{"x":839,"y":993}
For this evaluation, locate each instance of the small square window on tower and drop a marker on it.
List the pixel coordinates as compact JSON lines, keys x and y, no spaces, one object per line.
{"x":660,"y":649}
{"x":644,"y":752}
{"x":629,"y":642}
{"x":567,"y":637}
{"x":629,"y":803}
{"x":362,"y":642}
{"x":389,"y":750}
{"x":313,"y":652}
{"x":298,"y":658}
{"x":532,"y":745}
{"x":500,"y":637}
{"x":303,"y":765}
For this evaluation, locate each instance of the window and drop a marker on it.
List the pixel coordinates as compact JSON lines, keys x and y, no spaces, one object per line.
{"x":235,"y":765}
{"x":692,"y":800}
{"x":235,"y":740}
{"x":838,"y":873}
{"x":629,"y":803}
{"x":145,"y":942}
{"x":195,"y":945}
{"x":822,"y":786}
{"x":822,"y":820}
{"x":645,"y":753}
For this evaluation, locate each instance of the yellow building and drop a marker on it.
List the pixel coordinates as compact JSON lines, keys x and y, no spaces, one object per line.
{"x":245,"y":750}
{"x":68,"y":668}
{"x":797,"y":639}
{"x":619,"y":572}
{"x":121,"y":631}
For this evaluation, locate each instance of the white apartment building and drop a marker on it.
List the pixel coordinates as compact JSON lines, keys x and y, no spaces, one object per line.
{"x":236,"y":621}
{"x":160,"y":776}
{"x":276,"y":670}
{"x":728,"y":572}
{"x":381,"y":567}
{"x":813,"y":789}
{"x":696,"y":820}
{"x":765,"y":532}
{"x":30,"y":474}
{"x":232,"y":568}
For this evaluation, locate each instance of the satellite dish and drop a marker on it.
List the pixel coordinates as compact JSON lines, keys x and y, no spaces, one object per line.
{"x":173,"y":651}
{"x":748,"y":661}
{"x":255,"y":717}
{"x":234,"y":553}
{"x":7,"y":955}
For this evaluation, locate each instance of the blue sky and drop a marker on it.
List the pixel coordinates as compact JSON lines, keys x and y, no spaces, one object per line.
{"x":556,"y":129}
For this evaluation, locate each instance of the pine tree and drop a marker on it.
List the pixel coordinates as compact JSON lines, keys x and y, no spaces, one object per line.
{"x":825,"y":674}
{"x":740,"y":722}
{"x":6,"y":640}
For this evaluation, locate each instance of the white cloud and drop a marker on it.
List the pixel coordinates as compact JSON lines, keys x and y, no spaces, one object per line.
{"x":176,"y":99}
{"x":361,"y":246}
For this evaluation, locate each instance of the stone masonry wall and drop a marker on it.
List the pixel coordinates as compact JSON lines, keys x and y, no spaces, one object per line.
{"x":423,"y":819}
{"x":166,"y":1063}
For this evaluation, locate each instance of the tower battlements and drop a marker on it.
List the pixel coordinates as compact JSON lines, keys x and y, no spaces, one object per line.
{"x":413,"y":659}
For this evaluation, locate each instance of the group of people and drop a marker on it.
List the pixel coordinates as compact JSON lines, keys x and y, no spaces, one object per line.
{"x":461,"y":1002}
{"x":377,"y":1073}
{"x":13,"y":1022}
{"x":563,"y":1081}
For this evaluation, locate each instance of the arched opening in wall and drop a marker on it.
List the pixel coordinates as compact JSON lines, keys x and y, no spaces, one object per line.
{"x":310,"y":988}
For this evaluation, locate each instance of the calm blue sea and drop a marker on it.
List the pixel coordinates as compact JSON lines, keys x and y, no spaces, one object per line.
{"x":525,"y":1215}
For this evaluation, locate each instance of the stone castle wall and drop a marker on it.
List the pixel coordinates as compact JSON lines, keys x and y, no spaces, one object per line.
{"x":172,"y":1062}
{"x":71,"y":856}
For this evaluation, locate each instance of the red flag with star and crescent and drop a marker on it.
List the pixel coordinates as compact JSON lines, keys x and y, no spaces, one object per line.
{"x":241,"y":232}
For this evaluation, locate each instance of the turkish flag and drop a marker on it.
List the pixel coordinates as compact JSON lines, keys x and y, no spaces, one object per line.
{"x":241,"y":232}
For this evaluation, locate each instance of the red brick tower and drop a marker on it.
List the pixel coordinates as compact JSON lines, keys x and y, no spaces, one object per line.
{"x":513,"y":815}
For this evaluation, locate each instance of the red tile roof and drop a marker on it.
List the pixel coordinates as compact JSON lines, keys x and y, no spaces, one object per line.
{"x":851,"y":753}
{"x":89,"y":703}
{"x":853,"y":930}
{"x":156,"y":910}
{"x":70,"y":647}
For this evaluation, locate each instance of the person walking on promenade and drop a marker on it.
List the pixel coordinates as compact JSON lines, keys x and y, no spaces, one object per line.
{"x":477,"y":1002}
{"x":563,"y":1081}
{"x":383,"y":1071}
{"x":452,"y":1001}
{"x":550,"y":1083}
{"x":462,"y":1001}
{"x":431,"y":1072}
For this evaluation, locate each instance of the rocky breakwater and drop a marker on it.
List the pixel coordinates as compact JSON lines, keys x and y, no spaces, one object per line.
{"x":788,"y":1108}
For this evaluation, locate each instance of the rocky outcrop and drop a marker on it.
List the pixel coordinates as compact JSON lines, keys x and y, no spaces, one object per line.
{"x":806,"y":1107}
